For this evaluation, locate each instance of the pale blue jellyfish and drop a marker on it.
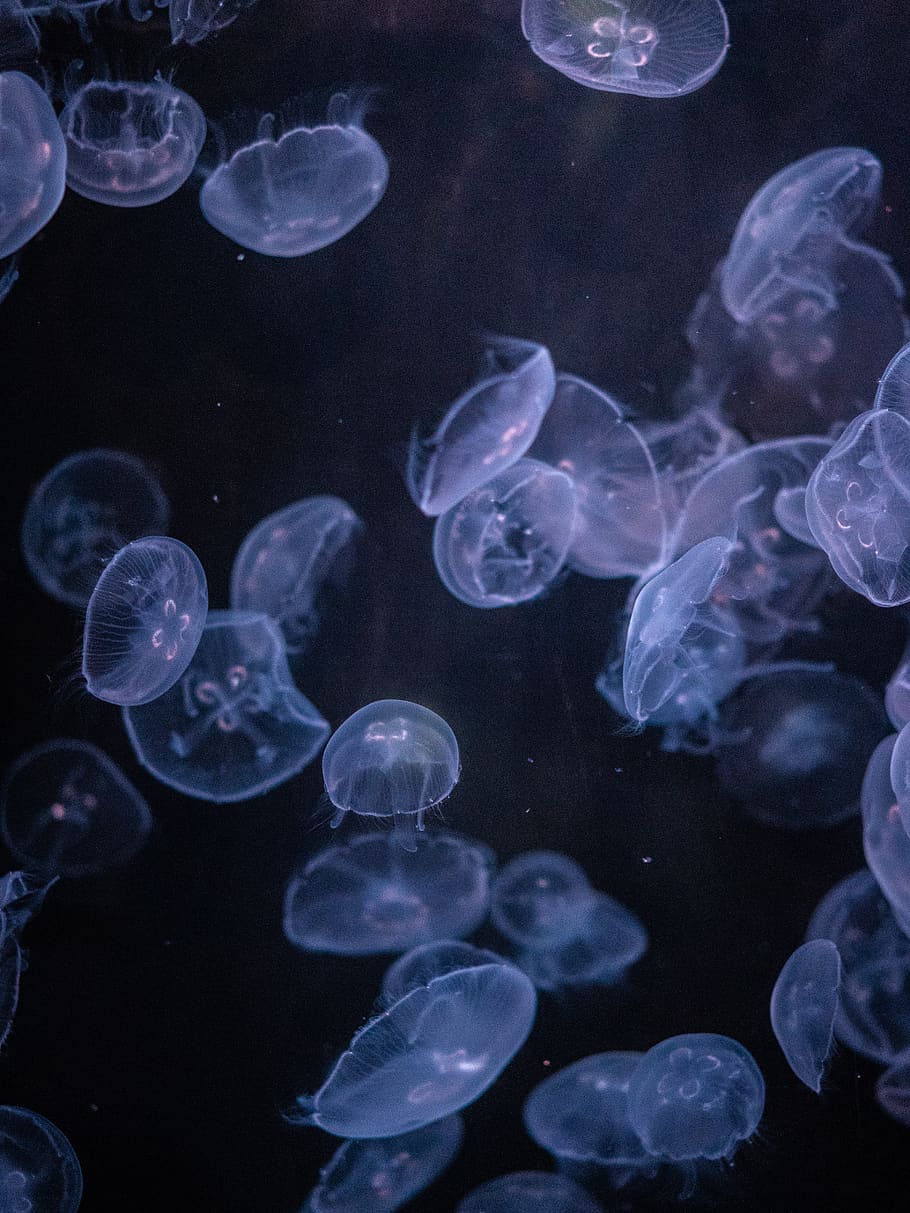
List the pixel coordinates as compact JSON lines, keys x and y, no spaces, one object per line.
{"x":899,"y":774}
{"x":9,"y":276}
{"x":897,"y":693}
{"x":535,"y":897}
{"x":804,"y":1007}
{"x":603,"y":941}
{"x":420,"y":965}
{"x":290,"y":195}
{"x":192,"y":21}
{"x":67,"y":809}
{"x":234,"y":725}
{"x":369,"y":895}
{"x":39,"y":1169}
{"x":33,"y":155}
{"x":894,"y":386}
{"x":487,"y":429}
{"x":529,"y":1192}
{"x":144,"y":621}
{"x":21,"y":896}
{"x":892,"y":1090}
{"x":507,"y":540}
{"x":885,"y":841}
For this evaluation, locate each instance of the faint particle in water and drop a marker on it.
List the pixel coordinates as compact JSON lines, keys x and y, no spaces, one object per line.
{"x":529,"y":1192}
{"x":33,"y":155}
{"x":39,"y":1169}
{"x":655,"y":48}
{"x":804,"y":1007}
{"x":66,"y":808}
{"x":297,"y":193}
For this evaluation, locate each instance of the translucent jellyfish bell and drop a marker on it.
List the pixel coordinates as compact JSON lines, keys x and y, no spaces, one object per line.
{"x":804,"y":1007}
{"x":486,"y":430}
{"x":33,"y":155}
{"x":420,"y":965}
{"x":892,"y":1090}
{"x":38,"y":1167}
{"x":604,"y":939}
{"x":21,"y":896}
{"x":289,"y":196}
{"x":529,"y":1192}
{"x":192,"y":21}
{"x":535,"y":897}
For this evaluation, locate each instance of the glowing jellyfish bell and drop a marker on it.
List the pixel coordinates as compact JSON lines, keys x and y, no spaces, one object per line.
{"x":33,"y":155}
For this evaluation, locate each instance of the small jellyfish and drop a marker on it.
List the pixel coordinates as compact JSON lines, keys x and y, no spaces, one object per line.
{"x":234,"y":725}
{"x":39,"y":1169}
{"x":378,"y":1176}
{"x":535,"y":896}
{"x":130,"y":142}
{"x":604,"y":940}
{"x":433,"y":1052}
{"x":368,"y":895}
{"x":20,"y":39}
{"x":85,"y":509}
{"x":804,"y":1007}
{"x":420,"y":965}
{"x":486,"y":430}
{"x":655,"y":48}
{"x":892,"y":1090}
{"x":144,"y":621}
{"x":33,"y":155}
{"x":192,"y":21}
{"x":507,"y":541}
{"x":289,"y":196}
{"x":66,"y":808}
{"x":529,"y":1192}
{"x":885,"y":842}
{"x":289,"y":559}
{"x":392,"y":759}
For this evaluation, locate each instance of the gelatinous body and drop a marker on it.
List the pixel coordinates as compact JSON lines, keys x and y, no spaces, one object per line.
{"x":535,"y":896}
{"x":38,"y":1167}
{"x":21,"y":896}
{"x":894,"y":386}
{"x":897,"y":693}
{"x":804,"y":1007}
{"x":892,"y":1090}
{"x":192,"y":21}
{"x":420,"y":965}
{"x":33,"y":155}
{"x":529,"y":1192}
{"x":603,"y":941}
{"x":234,"y":725}
{"x":885,"y":842}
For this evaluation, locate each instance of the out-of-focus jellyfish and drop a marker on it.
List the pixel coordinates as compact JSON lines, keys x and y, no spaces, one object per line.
{"x":534,"y":898}
{"x":790,"y":513}
{"x":378,"y":1176}
{"x":892,"y":1090}
{"x":20,"y":40}
{"x":604,"y":940}
{"x":696,"y":1096}
{"x":38,"y":1167}
{"x":291,"y":195}
{"x":507,"y":540}
{"x":885,"y":841}
{"x":894,"y":386}
{"x":33,"y":155}
{"x":368,"y":895}
{"x":130,"y":142}
{"x":8,"y":277}
{"x":897,"y":692}
{"x":655,"y":48}
{"x":144,"y":621}
{"x":620,"y":523}
{"x":788,"y":232}
{"x":529,"y":1192}
{"x":487,"y":429}
{"x":899,"y":774}
{"x":194,"y":20}
{"x":433,"y":1052}
{"x":391,"y":758}
{"x":804,"y":1007}
{"x":858,"y":506}
{"x":290,"y":559}
{"x":792,"y":744}
{"x":21,"y":896}
{"x":234,"y":725}
{"x":420,"y":965}
{"x":66,"y":808}
{"x":85,"y":509}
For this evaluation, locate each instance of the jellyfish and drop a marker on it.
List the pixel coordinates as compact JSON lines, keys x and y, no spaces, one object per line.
{"x":885,"y":841}
{"x":899,"y":775}
{"x":21,"y":896}
{"x":192,"y":21}
{"x":604,"y":940}
{"x":420,"y":965}
{"x":892,"y":1089}
{"x":535,"y":898}
{"x":529,"y":1192}
{"x":290,"y":559}
{"x":234,"y":725}
{"x":305,"y":189}
{"x":144,"y":621}
{"x":655,"y":48}
{"x":368,"y":895}
{"x":85,"y":509}
{"x":392,"y":759}
{"x":9,"y":276}
{"x":894,"y":386}
{"x":804,"y":1007}
{"x":38,"y":1167}
{"x":33,"y":155}
{"x":68,"y":809}
{"x":897,"y":692}
{"x":430,"y":1054}
{"x":506,"y":541}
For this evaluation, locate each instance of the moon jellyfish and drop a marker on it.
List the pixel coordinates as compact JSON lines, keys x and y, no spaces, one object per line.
{"x":433,"y":1052}
{"x":804,"y":1006}
{"x":369,"y":895}
{"x":378,"y":1176}
{"x":885,"y":841}
{"x":899,"y":774}
{"x":894,"y":386}
{"x":535,"y":896}
{"x":603,"y":940}
{"x":144,"y":621}
{"x":234,"y":725}
{"x":288,"y":561}
{"x":529,"y":1192}
{"x":21,"y":896}
{"x":33,"y":155}
{"x":66,"y":808}
{"x":420,"y":965}
{"x":39,"y":1169}
{"x":655,"y":48}
{"x":696,"y":1096}
{"x":130,"y":142}
{"x":892,"y":1090}
{"x":506,"y":541}
{"x":291,"y":195}
{"x":897,"y":695}
{"x":85,"y":509}
{"x":392,"y":759}
{"x":487,"y":429}
{"x":193,"y":20}
{"x":858,"y":506}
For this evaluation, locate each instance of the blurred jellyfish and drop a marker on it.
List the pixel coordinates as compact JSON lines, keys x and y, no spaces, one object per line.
{"x":192,"y":21}
{"x":487,"y":429}
{"x":66,"y":808}
{"x":20,"y":40}
{"x":804,"y":1007}
{"x":604,"y":940}
{"x":369,"y":895}
{"x":8,"y":277}
{"x":529,"y":1192}
{"x":290,"y":559}
{"x":894,"y":386}
{"x":897,"y":692}
{"x":655,"y":48}
{"x":85,"y":509}
{"x":899,"y":775}
{"x":885,"y":841}
{"x":39,"y":1169}
{"x":21,"y":896}
{"x":892,"y":1090}
{"x":535,"y":897}
{"x":292,"y":195}
{"x":234,"y":725}
{"x":433,"y":1052}
{"x":420,"y":965}
{"x":507,"y":540}
{"x":33,"y":155}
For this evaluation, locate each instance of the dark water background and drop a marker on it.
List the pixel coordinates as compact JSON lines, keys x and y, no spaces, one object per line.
{"x":164,"y":1021}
